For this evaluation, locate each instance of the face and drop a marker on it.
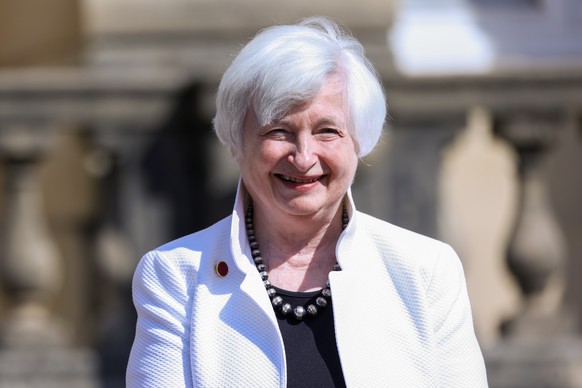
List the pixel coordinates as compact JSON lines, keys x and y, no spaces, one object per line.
{"x":303,"y":164}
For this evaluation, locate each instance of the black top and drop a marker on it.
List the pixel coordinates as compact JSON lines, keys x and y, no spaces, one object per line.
{"x":310,"y":346}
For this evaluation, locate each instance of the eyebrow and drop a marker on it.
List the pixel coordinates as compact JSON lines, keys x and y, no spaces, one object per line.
{"x":324,"y":120}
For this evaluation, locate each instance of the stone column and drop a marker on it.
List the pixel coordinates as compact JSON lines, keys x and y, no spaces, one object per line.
{"x":34,"y":345}
{"x":114,"y":253}
{"x":405,"y":172}
{"x":477,"y":206}
{"x":541,"y":347}
{"x":31,"y":266}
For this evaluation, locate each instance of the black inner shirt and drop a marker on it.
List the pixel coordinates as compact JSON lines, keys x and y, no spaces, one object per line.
{"x":310,"y":346}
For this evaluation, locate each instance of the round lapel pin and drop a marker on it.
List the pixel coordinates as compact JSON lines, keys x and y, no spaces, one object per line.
{"x":221,"y":269}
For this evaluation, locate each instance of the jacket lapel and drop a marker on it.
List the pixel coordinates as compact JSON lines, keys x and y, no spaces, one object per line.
{"x":376,"y":345}
{"x":252,"y":286}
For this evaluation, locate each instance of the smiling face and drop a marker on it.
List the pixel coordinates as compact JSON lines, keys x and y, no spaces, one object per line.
{"x":303,"y":164}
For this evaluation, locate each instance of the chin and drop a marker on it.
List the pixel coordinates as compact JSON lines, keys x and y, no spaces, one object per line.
{"x":303,"y":208}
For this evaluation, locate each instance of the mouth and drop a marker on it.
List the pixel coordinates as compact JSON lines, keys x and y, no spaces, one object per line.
{"x":291,"y":179}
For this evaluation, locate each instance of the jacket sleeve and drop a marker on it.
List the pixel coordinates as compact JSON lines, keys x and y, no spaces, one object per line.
{"x":160,"y":353}
{"x":460,"y":361}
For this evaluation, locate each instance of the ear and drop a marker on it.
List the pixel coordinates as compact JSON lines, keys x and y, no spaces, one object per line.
{"x":234,"y":153}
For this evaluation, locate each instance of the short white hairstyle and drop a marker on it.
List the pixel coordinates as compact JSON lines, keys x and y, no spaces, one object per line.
{"x":287,"y":65}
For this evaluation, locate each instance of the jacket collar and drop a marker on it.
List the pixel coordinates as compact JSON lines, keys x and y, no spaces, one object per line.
{"x":252,"y":284}
{"x":241,"y":252}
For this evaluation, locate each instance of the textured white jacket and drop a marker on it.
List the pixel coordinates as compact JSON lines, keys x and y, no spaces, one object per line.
{"x":402,"y":315}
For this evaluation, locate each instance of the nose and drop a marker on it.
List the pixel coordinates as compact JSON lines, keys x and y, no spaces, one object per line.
{"x":303,"y":155}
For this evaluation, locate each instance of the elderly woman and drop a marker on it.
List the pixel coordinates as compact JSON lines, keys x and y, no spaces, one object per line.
{"x":297,"y":288}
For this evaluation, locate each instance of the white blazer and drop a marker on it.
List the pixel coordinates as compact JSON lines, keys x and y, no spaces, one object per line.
{"x":400,"y":304}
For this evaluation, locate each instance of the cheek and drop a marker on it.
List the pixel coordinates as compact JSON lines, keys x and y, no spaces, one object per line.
{"x":270,"y":153}
{"x":343,"y":157}
{"x":351,"y":167}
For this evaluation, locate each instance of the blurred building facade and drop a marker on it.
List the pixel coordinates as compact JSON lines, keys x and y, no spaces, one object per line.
{"x":107,"y":150}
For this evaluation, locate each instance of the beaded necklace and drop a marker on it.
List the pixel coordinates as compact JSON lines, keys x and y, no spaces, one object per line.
{"x":298,"y":312}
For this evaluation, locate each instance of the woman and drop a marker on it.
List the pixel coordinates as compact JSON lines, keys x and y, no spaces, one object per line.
{"x":296,"y":287}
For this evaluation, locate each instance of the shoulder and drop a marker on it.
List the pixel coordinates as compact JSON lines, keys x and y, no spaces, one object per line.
{"x":177,"y":262}
{"x":199,"y":241}
{"x":407,"y":251}
{"x":397,"y":239}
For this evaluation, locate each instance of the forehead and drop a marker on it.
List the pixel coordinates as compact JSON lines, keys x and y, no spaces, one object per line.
{"x":328,"y":104}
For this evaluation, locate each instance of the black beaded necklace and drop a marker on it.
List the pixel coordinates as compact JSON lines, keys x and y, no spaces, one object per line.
{"x":298,"y":312}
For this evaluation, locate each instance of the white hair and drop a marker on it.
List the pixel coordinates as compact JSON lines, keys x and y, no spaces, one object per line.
{"x":284,"y":66}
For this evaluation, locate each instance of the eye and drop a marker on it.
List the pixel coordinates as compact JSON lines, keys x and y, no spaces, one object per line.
{"x":328,"y":133}
{"x":277,"y":133}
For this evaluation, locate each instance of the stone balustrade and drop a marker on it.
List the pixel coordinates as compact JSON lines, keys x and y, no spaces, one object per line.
{"x":116,"y":119}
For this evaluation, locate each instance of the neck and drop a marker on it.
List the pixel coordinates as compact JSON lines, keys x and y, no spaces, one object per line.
{"x":300,"y":252}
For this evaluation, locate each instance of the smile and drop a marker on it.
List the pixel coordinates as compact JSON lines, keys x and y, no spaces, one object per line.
{"x":296,"y":180}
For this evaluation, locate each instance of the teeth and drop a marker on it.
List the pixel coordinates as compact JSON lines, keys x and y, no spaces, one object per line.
{"x":295,"y":180}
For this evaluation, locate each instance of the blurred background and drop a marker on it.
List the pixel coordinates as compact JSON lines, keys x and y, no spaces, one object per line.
{"x":107,"y":151}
